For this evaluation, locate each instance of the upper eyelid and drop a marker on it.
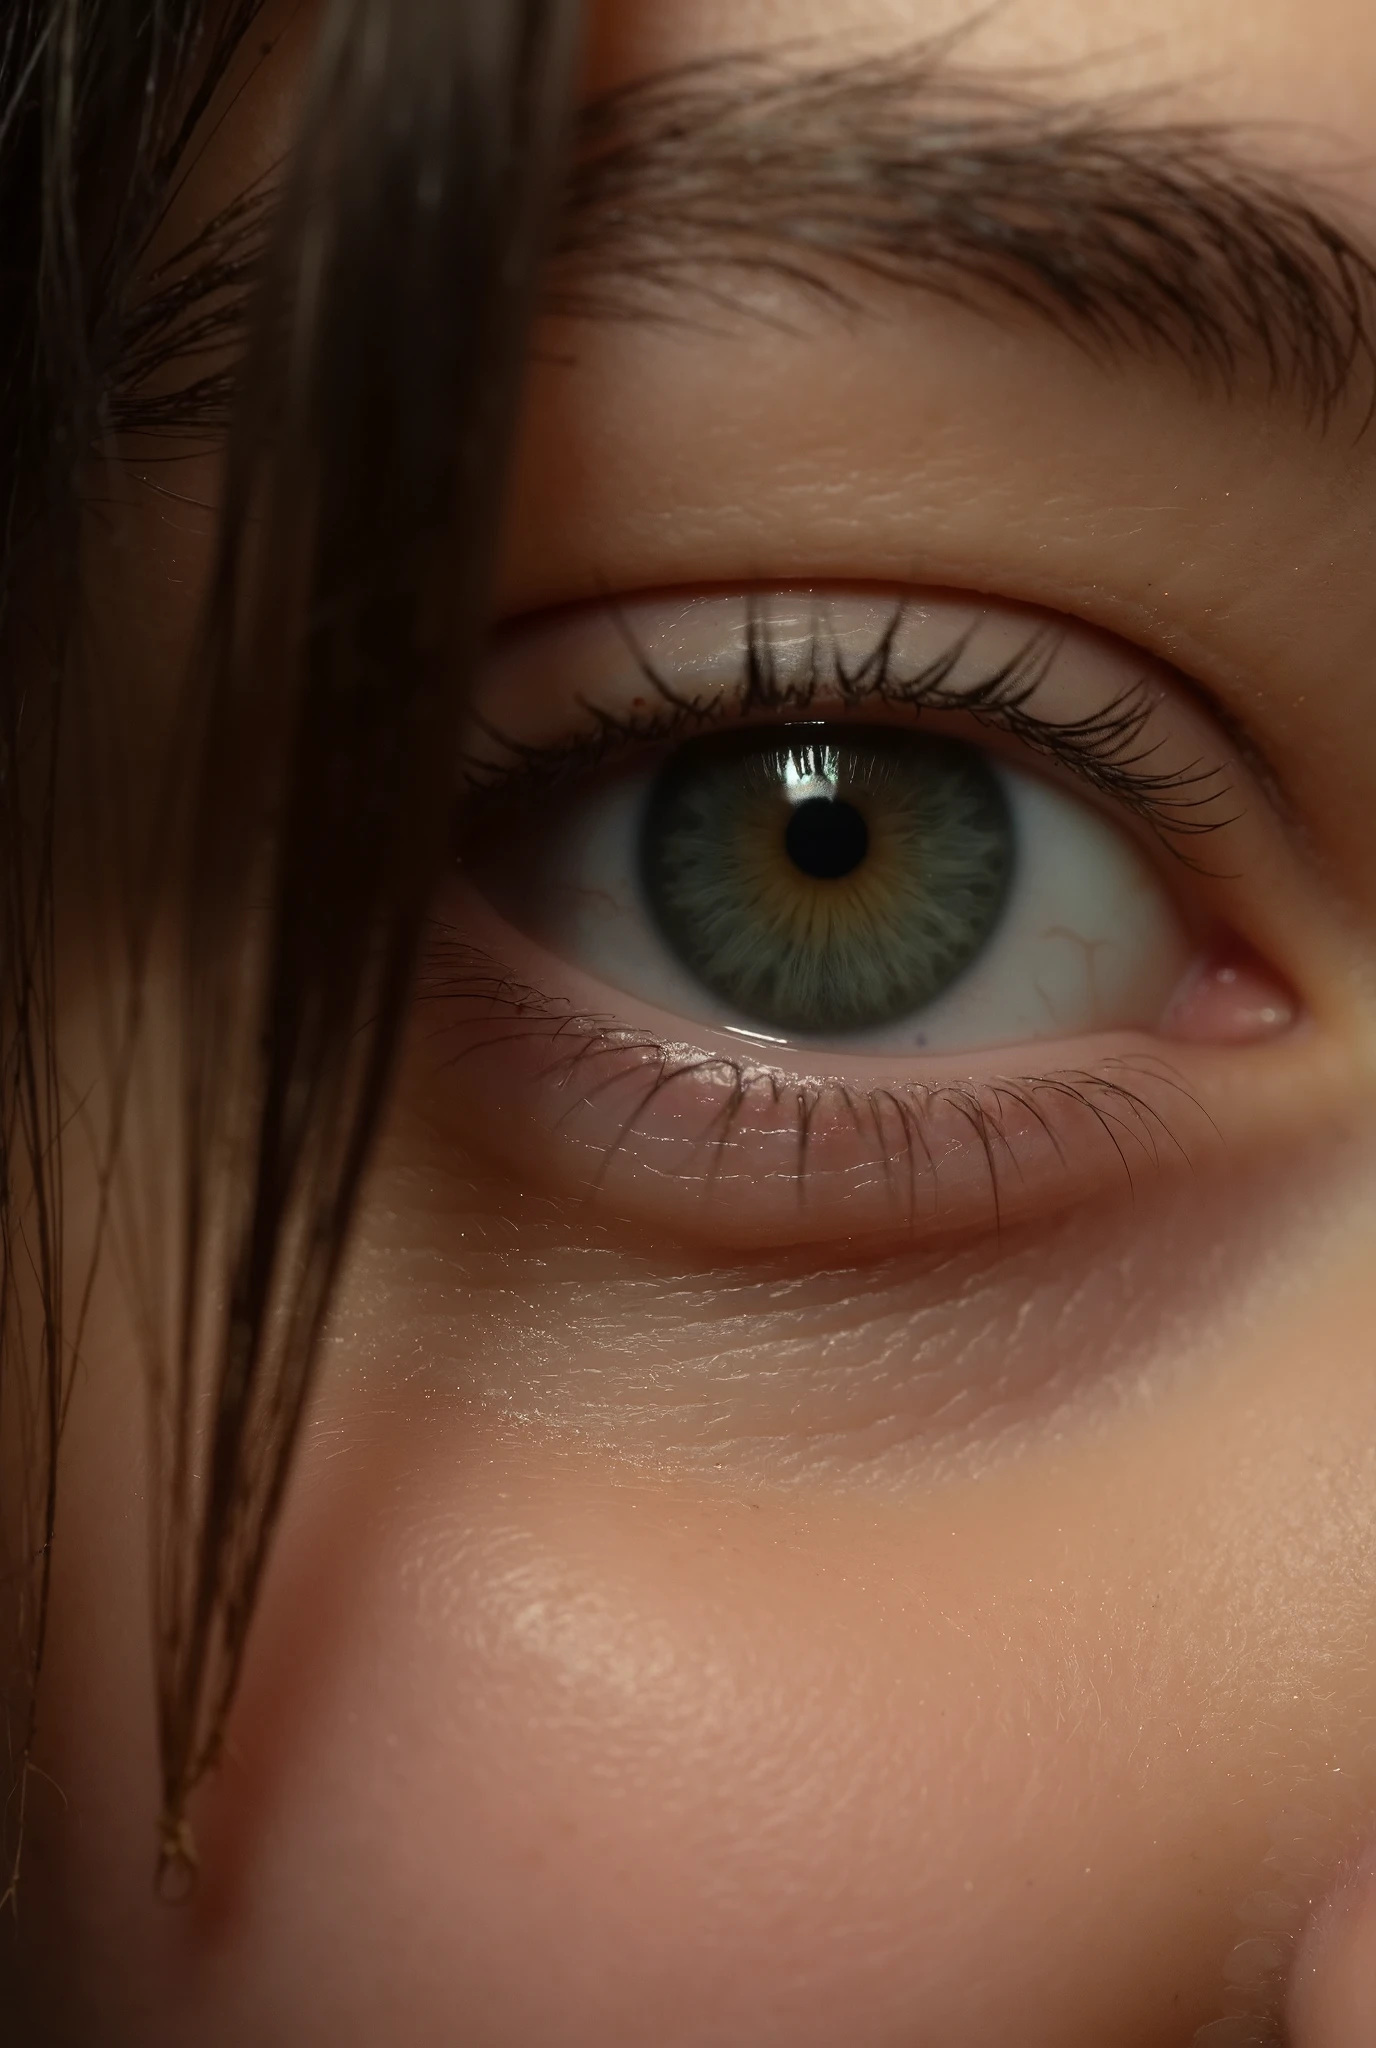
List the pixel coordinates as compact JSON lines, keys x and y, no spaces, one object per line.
{"x":1109,"y":748}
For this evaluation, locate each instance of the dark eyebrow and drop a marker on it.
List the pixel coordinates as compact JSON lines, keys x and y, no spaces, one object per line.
{"x":1128,"y":235}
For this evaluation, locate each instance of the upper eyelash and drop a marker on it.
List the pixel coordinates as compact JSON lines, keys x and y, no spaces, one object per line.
{"x":1107,"y":749}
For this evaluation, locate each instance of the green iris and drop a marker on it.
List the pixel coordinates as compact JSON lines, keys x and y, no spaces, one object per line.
{"x":831,"y":881}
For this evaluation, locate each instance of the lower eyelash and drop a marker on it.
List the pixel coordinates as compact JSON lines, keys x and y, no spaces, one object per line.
{"x":1008,"y":1126}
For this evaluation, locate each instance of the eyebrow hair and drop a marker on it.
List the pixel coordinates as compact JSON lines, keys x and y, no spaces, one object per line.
{"x":1127,"y":235}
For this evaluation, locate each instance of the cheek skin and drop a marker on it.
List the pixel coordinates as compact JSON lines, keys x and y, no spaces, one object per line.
{"x":537,"y":1742}
{"x":735,"y":1766}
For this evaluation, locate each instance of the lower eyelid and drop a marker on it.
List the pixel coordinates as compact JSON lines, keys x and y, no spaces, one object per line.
{"x":706,"y":1141}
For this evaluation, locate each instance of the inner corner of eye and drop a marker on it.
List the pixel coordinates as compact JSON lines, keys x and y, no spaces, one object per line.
{"x":878,"y":887}
{"x":1230,"y":995}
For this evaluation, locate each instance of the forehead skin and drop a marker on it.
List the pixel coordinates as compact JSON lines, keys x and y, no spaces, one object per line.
{"x":571,"y":1718}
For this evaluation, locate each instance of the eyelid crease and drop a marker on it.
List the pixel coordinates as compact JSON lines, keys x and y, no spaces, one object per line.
{"x":1108,"y":749}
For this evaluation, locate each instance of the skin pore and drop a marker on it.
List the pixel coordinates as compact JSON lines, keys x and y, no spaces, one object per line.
{"x":864,"y":1632}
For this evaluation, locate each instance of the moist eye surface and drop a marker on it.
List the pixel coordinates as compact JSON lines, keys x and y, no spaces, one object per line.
{"x":834,"y":880}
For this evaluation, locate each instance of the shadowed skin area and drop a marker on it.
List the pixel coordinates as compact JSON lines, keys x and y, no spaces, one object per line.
{"x":921,"y":1639}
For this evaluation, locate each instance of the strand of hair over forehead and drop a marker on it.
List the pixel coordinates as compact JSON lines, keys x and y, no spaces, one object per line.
{"x":313,"y":789}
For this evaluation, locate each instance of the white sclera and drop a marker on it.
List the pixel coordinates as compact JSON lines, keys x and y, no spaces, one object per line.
{"x":1089,"y":939}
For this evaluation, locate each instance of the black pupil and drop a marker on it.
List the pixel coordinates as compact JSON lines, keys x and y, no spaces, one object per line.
{"x":826,"y":838}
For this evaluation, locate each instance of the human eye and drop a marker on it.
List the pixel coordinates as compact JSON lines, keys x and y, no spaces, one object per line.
{"x":800,"y":912}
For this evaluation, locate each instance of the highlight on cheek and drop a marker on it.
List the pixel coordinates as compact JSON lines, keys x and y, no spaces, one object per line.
{"x":837,"y":947}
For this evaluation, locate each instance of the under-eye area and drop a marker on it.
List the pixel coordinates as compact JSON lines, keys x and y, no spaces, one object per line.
{"x":778,"y":914}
